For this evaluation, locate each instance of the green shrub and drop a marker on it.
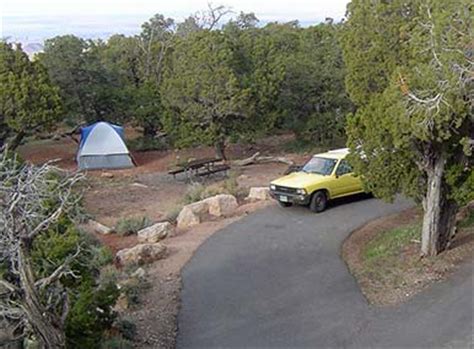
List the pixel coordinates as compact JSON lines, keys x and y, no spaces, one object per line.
{"x":91,"y":298}
{"x":131,"y":225}
{"x":91,"y":315}
{"x":102,"y":256}
{"x":126,"y":327}
{"x":147,"y":144}
{"x":132,"y":288}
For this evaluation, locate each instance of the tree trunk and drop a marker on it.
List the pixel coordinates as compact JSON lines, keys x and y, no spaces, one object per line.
{"x":45,"y":327}
{"x":220,"y":150}
{"x":149,"y":131}
{"x":16,"y":140}
{"x":439,"y":218}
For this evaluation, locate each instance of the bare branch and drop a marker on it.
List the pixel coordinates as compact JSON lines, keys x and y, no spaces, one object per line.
{"x":8,"y":286}
{"x":61,"y":271}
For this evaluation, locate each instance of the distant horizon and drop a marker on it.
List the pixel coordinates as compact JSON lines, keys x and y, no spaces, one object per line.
{"x":35,"y":29}
{"x":31,"y":22}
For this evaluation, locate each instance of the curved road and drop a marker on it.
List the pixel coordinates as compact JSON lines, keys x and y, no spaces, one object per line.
{"x":276,"y":279}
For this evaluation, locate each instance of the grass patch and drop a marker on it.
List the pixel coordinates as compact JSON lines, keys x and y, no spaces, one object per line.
{"x":131,"y":225}
{"x":385,"y":257}
{"x":389,"y":243}
{"x":172,"y":215}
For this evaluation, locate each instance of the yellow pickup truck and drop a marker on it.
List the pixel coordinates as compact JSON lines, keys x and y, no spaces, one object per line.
{"x":324,"y":177}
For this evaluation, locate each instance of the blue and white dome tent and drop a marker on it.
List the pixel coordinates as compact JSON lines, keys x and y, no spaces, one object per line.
{"x":102,"y":146}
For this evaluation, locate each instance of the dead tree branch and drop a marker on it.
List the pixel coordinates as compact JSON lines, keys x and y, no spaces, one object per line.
{"x":32,"y":199}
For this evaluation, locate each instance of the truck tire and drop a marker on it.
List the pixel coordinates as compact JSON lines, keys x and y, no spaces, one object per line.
{"x":319,"y":202}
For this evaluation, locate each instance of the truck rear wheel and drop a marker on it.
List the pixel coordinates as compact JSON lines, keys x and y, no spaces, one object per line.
{"x":319,"y":202}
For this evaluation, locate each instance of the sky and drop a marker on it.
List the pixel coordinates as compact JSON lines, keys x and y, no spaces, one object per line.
{"x":34,"y":20}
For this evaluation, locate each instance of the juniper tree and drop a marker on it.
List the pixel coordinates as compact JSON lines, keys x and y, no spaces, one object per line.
{"x":410,"y":74}
{"x":29,"y":102}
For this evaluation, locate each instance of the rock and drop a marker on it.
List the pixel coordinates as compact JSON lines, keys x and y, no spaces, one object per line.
{"x":107,"y":175}
{"x":99,"y":228}
{"x":139,"y":185}
{"x":221,"y":205}
{"x":155,"y":233}
{"x":187,"y":218}
{"x":200,"y":208}
{"x":121,"y":304}
{"x":192,"y":214}
{"x":141,"y":254}
{"x":259,"y":194}
{"x":140,"y":273}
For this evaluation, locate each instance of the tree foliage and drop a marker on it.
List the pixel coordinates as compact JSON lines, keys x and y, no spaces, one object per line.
{"x":313,"y":101}
{"x":29,"y":103}
{"x":211,"y":79}
{"x":221,"y":85}
{"x":411,"y":79}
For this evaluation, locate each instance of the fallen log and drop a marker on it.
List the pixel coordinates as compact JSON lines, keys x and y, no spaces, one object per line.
{"x":247,"y":161}
{"x":257,"y":159}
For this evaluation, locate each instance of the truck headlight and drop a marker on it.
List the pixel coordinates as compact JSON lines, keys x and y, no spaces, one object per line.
{"x":301,"y":191}
{"x":272,"y":187}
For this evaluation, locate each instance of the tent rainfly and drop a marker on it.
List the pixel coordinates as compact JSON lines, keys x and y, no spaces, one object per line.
{"x":102,"y":146}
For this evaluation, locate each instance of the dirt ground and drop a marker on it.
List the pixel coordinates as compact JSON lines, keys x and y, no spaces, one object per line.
{"x":412,"y":273}
{"x":147,"y":190}
{"x":156,"y":317}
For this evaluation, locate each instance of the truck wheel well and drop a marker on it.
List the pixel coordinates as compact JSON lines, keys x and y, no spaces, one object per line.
{"x":325,"y":191}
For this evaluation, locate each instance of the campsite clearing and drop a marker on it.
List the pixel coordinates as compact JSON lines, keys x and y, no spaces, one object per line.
{"x":147,"y":189}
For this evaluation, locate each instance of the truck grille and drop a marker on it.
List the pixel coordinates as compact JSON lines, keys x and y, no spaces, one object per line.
{"x":285,"y":190}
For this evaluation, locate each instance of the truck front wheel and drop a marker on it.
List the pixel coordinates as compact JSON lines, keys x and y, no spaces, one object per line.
{"x":319,"y":202}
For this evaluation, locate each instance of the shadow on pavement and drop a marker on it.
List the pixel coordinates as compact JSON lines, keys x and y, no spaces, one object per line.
{"x":349,"y":200}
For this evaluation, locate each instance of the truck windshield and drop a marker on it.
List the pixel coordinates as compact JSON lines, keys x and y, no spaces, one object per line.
{"x":322,"y":166}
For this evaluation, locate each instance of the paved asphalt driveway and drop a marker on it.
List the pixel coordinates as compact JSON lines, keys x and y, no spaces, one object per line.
{"x":276,"y":279}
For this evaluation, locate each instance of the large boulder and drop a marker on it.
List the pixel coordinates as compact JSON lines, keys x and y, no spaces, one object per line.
{"x":259,"y":194}
{"x":192,"y":214}
{"x":155,"y":233}
{"x":187,"y":218}
{"x":141,"y":254}
{"x":221,"y":205}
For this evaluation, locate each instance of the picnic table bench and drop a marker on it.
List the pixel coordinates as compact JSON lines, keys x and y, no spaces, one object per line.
{"x":200,"y":167}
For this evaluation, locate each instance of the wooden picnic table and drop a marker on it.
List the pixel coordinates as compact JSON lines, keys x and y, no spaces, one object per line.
{"x":193,"y":167}
{"x":196,"y":164}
